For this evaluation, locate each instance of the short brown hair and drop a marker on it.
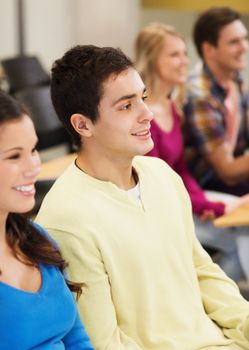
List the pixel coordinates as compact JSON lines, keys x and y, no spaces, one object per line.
{"x":209,"y":24}
{"x":77,"y":81}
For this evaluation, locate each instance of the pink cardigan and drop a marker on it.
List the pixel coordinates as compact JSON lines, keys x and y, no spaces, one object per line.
{"x":169,"y":147}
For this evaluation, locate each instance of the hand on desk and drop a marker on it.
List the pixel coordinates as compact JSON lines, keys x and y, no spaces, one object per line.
{"x":207,"y":214}
{"x":236,"y":203}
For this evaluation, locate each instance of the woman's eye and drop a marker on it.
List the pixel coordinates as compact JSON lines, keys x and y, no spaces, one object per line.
{"x":126,"y":106}
{"x":144,"y":98}
{"x":14,"y":156}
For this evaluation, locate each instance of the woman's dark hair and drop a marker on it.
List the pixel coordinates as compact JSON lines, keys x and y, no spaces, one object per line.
{"x":210,"y":23}
{"x":10,"y":109}
{"x":26,"y":241}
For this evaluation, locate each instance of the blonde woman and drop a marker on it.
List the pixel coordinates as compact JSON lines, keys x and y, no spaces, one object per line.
{"x":162,"y":61}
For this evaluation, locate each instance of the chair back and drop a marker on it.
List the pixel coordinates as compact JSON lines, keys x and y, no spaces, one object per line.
{"x":24,"y":71}
{"x":50,"y":130}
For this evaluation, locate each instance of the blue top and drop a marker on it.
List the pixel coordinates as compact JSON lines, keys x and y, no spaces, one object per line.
{"x":44,"y":320}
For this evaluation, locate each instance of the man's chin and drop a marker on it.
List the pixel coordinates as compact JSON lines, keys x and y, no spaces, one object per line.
{"x":148,"y":148}
{"x":240,"y":64}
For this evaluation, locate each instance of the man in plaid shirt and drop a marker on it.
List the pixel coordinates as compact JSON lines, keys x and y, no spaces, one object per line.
{"x":217,"y":107}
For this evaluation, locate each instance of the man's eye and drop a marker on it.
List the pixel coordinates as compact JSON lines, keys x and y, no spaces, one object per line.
{"x":174,"y":54}
{"x":126,"y":106}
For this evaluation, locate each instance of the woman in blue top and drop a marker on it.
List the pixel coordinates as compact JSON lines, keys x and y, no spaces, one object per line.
{"x":37,"y":308}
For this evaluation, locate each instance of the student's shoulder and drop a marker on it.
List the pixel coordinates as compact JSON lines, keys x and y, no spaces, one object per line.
{"x":157,"y":172}
{"x":151,"y":164}
{"x":39,"y":228}
{"x":68,"y":176}
{"x":68,"y":185}
{"x":44,"y":232}
{"x":148,"y":161}
{"x":198,"y":85}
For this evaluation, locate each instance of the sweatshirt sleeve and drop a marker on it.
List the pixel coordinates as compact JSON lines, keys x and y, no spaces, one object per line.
{"x":95,"y":305}
{"x":221,"y":297}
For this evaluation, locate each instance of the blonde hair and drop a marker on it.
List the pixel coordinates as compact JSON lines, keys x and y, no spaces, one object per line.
{"x":148,"y":44}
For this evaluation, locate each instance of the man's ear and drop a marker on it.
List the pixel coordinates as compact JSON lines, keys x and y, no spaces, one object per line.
{"x":208,"y":50}
{"x":81,"y":124}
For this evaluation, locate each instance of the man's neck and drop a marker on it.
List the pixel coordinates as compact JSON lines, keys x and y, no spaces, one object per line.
{"x":118,"y":172}
{"x":222,"y":76}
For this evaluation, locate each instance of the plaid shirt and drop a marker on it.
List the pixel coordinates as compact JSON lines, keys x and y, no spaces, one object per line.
{"x":204,"y":126}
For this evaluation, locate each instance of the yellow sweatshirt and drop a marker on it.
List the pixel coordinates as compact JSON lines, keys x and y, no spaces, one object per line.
{"x":150,"y":285}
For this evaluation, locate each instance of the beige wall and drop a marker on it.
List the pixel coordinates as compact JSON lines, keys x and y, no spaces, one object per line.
{"x":53,"y":26}
{"x":108,"y":22}
{"x":7,"y":28}
{"x":49,"y":28}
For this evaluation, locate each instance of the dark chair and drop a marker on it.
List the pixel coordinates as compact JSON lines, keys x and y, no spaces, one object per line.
{"x":23,"y":72}
{"x":49,"y":129}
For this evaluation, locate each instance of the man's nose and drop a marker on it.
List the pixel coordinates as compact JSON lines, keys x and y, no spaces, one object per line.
{"x":146,"y":114}
{"x":245,"y":45}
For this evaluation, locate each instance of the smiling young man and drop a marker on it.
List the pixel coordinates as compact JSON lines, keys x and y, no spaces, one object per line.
{"x":217,"y":108}
{"x":124,"y":222}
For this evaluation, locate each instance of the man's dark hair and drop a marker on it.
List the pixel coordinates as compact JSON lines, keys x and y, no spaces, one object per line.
{"x":209,"y":24}
{"x":77,"y":81}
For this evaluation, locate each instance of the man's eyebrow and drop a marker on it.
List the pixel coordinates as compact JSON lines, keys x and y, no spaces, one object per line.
{"x":127,"y":97}
{"x":245,"y":36}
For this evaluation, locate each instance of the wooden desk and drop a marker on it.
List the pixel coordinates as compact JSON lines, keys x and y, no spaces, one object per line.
{"x":52,"y":169}
{"x":239,"y":217}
